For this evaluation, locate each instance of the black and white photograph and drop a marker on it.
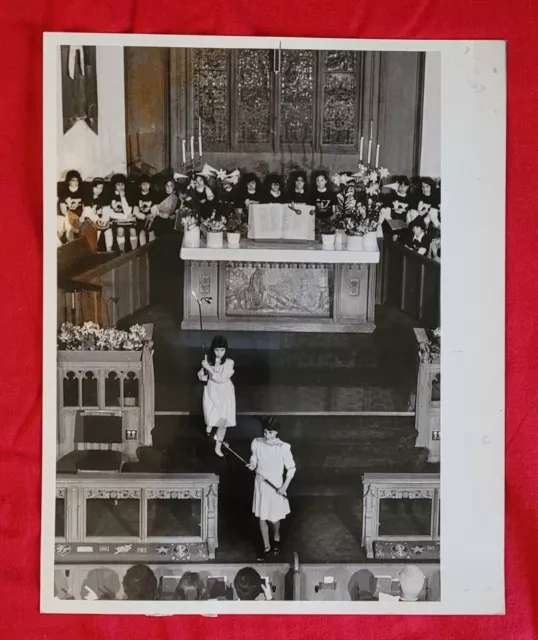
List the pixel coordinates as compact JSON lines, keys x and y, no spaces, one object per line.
{"x":244,"y":356}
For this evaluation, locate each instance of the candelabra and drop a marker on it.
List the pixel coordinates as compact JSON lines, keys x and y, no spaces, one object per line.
{"x":194,"y":165}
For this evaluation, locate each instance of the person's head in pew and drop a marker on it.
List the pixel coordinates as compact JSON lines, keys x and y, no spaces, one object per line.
{"x":361,"y":586}
{"x":248,"y":584}
{"x":412,"y":581}
{"x":140,"y":583}
{"x":190,"y":587}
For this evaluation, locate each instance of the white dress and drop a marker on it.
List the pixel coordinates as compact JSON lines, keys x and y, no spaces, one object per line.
{"x":270,"y":460}
{"x":219,"y":397}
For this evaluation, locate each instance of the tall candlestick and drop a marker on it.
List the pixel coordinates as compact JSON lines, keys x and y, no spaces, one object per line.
{"x":371,"y":128}
{"x":192,"y":147}
{"x":199,"y":126}
{"x":200,"y":146}
{"x":362,"y":145}
{"x":369,"y":150}
{"x":377,"y":157}
{"x":183,"y":145}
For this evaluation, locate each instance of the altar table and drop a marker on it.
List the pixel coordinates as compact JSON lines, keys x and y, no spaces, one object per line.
{"x":279,"y":286}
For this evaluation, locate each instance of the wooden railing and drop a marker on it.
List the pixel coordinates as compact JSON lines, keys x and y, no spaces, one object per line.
{"x":101,"y":287}
{"x":410,"y":282}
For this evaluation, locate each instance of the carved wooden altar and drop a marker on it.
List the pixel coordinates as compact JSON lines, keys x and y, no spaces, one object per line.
{"x":428,"y":403}
{"x":136,"y":517}
{"x":280,"y":287}
{"x":401,"y":516}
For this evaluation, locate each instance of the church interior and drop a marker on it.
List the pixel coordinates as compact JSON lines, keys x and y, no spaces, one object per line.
{"x":340,"y":347}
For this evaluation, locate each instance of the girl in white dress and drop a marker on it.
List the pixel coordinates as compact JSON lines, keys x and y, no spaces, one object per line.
{"x":219,"y":393}
{"x":270,"y":458}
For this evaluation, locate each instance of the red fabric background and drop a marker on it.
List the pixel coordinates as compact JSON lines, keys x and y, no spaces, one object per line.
{"x":21,"y":27}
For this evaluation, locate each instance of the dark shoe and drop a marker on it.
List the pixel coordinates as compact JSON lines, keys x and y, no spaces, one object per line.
{"x":264,"y":555}
{"x":276,"y":548}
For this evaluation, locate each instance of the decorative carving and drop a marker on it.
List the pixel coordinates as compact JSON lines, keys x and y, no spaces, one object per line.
{"x":112,"y":494}
{"x":174,"y":494}
{"x":204,"y":284}
{"x":210,"y":92}
{"x":300,"y":292}
{"x":411,"y":494}
{"x":61,"y":492}
{"x":254,"y":96}
{"x":354,"y":287}
{"x":340,"y":97}
{"x":296,"y":111}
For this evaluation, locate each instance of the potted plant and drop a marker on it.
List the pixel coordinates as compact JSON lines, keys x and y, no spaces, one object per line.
{"x":92,"y":343}
{"x":215,"y":226}
{"x":371,"y":224}
{"x":328,"y":232}
{"x":233,"y":229}
{"x":355,"y":230}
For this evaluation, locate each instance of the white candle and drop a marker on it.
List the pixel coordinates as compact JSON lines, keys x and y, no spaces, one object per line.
{"x":184,"y":151}
{"x":377,"y":157}
{"x":192,"y":147}
{"x":362,"y":145}
{"x":199,"y":126}
{"x":369,"y":150}
{"x":371,"y":128}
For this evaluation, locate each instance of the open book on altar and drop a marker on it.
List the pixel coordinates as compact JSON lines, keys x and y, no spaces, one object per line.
{"x":281,"y":222}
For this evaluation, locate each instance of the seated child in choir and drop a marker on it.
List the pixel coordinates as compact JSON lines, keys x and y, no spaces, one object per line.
{"x":420,"y":240}
{"x":202,"y":195}
{"x":273,"y":190}
{"x":144,"y":200}
{"x":298,"y":187}
{"x":425,"y":203}
{"x":121,"y":213}
{"x":97,"y":210}
{"x":322,"y":198}
{"x":164,"y":210}
{"x":249,"y":192}
{"x":228,"y":196}
{"x":395,"y":207}
{"x":71,"y":204}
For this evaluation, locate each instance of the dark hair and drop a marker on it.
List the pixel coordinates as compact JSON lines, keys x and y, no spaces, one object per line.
{"x":362,"y":585}
{"x":249,"y":177}
{"x":271,"y":423}
{"x":292,"y":179}
{"x":429,"y":181}
{"x":402,"y":180}
{"x":218,"y":342}
{"x":190,"y":587}
{"x":73,"y":175}
{"x":117,"y":178}
{"x":273,"y":178}
{"x":418,"y":222}
{"x":143,"y":179}
{"x":314,"y":176}
{"x":97,"y":181}
{"x":140,"y":583}
{"x":248,"y":584}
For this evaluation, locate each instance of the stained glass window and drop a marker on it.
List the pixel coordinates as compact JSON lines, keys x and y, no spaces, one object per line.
{"x":254,"y":96}
{"x":210,"y":93}
{"x":297,"y":97}
{"x":339,"y":97}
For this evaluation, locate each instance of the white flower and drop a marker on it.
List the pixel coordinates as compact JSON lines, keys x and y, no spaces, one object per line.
{"x":383,"y":173}
{"x":221,"y":174}
{"x":373,"y":176}
{"x":373,"y":189}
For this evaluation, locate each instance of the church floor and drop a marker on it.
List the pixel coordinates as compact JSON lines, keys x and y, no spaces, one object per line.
{"x":345,"y":405}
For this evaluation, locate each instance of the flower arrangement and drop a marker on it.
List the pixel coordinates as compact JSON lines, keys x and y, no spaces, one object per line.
{"x":234,"y":223}
{"x":216,"y":223}
{"x":189,"y":221}
{"x":91,"y":337}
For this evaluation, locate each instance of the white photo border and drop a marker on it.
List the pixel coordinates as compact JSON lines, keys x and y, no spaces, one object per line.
{"x":473,"y":161}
